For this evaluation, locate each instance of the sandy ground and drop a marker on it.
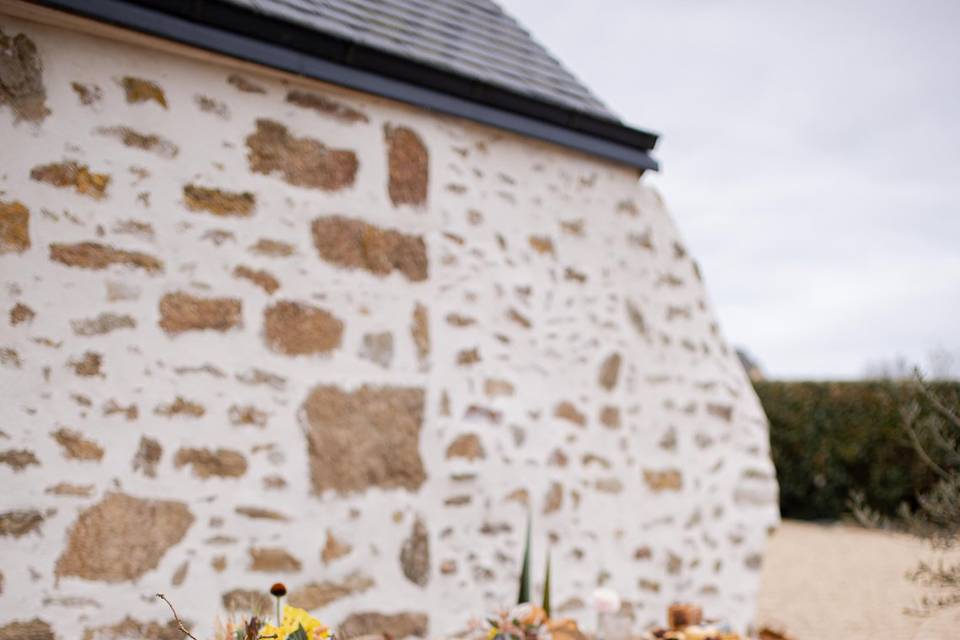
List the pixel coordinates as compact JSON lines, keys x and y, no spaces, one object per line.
{"x":835,"y":581}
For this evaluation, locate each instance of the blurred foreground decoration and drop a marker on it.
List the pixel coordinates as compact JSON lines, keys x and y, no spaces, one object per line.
{"x":685,"y":622}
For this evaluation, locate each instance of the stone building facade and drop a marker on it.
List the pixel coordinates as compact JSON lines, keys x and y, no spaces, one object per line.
{"x":260,"y":328}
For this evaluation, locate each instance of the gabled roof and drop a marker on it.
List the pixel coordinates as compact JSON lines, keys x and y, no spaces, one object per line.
{"x":473,"y":38}
{"x":462,"y":57}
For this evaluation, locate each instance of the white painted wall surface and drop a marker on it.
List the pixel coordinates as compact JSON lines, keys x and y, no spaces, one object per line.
{"x":705,"y":539}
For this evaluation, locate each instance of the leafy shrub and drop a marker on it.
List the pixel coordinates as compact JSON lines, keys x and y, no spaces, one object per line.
{"x":832,"y":439}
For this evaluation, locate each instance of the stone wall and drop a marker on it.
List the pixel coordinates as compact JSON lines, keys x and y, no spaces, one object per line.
{"x":257,"y":328}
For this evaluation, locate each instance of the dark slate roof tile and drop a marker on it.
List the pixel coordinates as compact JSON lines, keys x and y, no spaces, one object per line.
{"x":472,"y":38}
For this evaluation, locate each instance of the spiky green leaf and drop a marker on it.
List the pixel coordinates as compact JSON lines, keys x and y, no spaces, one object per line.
{"x":299,"y":634}
{"x":524,"y":593}
{"x":546,"y":588}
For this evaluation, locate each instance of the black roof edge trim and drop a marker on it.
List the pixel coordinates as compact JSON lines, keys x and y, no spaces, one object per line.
{"x":256,"y":38}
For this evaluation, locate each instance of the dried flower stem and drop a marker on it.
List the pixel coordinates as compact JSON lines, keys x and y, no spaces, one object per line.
{"x":176,"y":617}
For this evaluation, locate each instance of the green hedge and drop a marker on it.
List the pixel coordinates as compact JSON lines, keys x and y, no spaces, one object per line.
{"x":831,"y":438}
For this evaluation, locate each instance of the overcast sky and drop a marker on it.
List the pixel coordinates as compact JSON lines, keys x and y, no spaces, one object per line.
{"x":810,"y":154}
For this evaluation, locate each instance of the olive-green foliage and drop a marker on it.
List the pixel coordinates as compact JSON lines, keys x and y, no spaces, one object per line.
{"x":831,"y":439}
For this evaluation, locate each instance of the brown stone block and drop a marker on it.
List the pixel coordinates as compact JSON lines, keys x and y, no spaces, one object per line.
{"x":327,"y":106}
{"x":568,"y":411}
{"x":542,"y":245}
{"x":145,"y":141}
{"x":263,"y":279}
{"x":610,"y":417}
{"x":219,"y":202}
{"x":396,"y":625}
{"x":130,"y":411}
{"x":316,"y":595}
{"x":294,"y":328}
{"x":71,"y":174}
{"x":245,"y":85}
{"x":467,"y":357}
{"x":377,"y":348}
{"x":21,"y":78}
{"x":722,"y":411}
{"x":96,"y":256}
{"x":70,"y":490}
{"x":354,"y":244}
{"x":88,"y":94}
{"x":273,"y":560}
{"x":247,"y":415}
{"x":466,"y":446}
{"x":408,"y":165}
{"x":18,"y":459}
{"x":35,"y":629}
{"x":140,"y":90}
{"x":420,"y":331}
{"x":519,"y":318}
{"x":121,"y":538}
{"x":212,"y":106}
{"x":495,"y":387}
{"x":334,"y":548}
{"x":133,"y":628}
{"x":664,"y":480}
{"x":415,"y":554}
{"x":181,"y":312}
{"x":260,"y":513}
{"x":460,"y":320}
{"x":76,"y":447}
{"x":206,"y":463}
{"x":180,"y":407}
{"x":102,"y":324}
{"x":609,"y":371}
{"x":11,"y":358}
{"x":180,"y":575}
{"x":20,"y":522}
{"x":21,"y":314}
{"x":272,"y":248}
{"x":521,"y":496}
{"x":553,"y":500}
{"x":367,"y":438}
{"x":247,"y":600}
{"x":87,"y":366}
{"x":302,"y":162}
{"x":14,"y":227}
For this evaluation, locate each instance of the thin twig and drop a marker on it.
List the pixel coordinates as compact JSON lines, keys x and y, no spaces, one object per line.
{"x":176,"y":617}
{"x":947,"y":447}
{"x":918,"y":447}
{"x":938,"y":404}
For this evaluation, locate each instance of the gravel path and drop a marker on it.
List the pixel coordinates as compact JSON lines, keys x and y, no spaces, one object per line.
{"x":835,"y":581}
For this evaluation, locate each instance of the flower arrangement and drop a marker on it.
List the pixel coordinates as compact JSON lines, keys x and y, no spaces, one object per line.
{"x":296,"y":624}
{"x":291,"y":623}
{"x":527,"y":621}
{"x":522,"y":622}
